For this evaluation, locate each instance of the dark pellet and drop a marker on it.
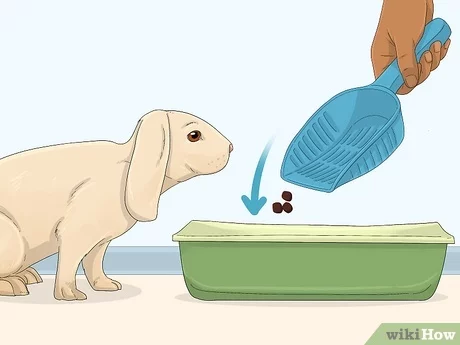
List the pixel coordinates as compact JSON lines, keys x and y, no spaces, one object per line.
{"x":287,"y":207}
{"x":277,"y":207}
{"x":287,"y":196}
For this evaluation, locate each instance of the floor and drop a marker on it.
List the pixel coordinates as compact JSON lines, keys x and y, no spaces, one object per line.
{"x":159,"y":310}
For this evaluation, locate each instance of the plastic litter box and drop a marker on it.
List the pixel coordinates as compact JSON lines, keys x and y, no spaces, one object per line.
{"x":233,"y":261}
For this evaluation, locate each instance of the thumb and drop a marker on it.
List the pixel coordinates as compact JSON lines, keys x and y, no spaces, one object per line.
{"x":407,"y":62}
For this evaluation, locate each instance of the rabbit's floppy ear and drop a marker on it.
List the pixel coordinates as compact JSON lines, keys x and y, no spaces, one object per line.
{"x":147,"y":170}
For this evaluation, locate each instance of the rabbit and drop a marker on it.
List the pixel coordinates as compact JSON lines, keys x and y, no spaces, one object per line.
{"x":74,"y":198}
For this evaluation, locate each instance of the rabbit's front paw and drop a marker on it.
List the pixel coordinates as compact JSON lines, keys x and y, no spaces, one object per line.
{"x":67,"y":293}
{"x":105,"y":284}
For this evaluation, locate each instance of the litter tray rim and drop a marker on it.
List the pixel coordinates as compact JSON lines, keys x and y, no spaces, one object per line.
{"x":359,"y":238}
{"x":362,"y":151}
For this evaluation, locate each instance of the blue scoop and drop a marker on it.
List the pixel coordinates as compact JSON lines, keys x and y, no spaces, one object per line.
{"x":355,"y":131}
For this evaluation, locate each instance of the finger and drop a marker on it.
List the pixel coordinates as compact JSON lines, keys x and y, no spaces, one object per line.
{"x":445,"y":48}
{"x":424,"y":69}
{"x":404,"y":90}
{"x":425,"y":66}
{"x":435,"y":51}
{"x":407,"y":63}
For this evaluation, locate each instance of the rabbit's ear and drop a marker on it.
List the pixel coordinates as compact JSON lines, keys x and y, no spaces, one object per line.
{"x":147,"y":169}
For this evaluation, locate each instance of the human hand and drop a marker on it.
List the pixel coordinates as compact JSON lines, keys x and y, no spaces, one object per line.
{"x":400,"y":28}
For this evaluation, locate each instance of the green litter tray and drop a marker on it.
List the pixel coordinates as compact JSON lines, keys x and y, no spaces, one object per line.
{"x":234,"y":261}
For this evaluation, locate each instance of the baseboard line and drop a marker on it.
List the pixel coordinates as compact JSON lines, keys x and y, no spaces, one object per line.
{"x":166,"y":261}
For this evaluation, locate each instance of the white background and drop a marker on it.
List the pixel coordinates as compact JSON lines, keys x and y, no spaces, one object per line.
{"x":88,"y":70}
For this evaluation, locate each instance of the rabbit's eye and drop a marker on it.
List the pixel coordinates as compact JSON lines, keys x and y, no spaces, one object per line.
{"x":194,"y":136}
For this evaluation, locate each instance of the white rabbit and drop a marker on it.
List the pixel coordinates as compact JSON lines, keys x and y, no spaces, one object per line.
{"x":73,"y":199}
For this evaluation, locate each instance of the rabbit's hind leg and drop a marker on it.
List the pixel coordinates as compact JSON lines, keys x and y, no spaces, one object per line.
{"x":13,"y":286}
{"x":11,"y":258}
{"x":30,"y":276}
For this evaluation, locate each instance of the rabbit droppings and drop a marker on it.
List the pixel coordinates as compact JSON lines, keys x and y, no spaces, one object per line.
{"x":73,"y":199}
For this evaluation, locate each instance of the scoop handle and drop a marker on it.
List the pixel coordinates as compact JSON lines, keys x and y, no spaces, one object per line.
{"x":436,"y":30}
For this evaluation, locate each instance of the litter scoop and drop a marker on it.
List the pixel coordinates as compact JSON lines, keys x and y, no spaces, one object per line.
{"x":356,"y":130}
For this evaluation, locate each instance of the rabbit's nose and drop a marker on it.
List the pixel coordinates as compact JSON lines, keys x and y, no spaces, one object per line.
{"x":230,"y":149}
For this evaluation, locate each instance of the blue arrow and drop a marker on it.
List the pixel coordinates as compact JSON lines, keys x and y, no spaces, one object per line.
{"x":255,"y":204}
